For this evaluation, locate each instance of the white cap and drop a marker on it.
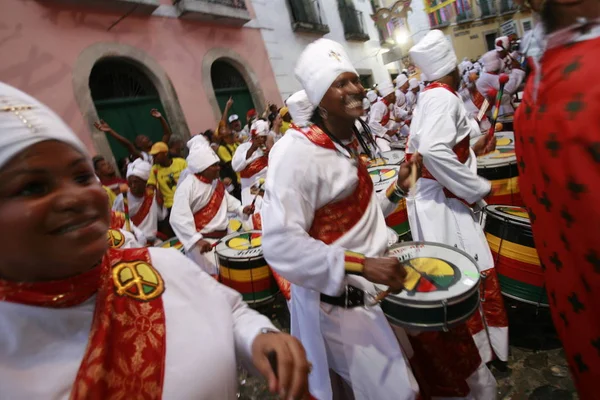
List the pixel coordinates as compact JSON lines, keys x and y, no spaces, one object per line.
{"x":200,"y":158}
{"x":434,"y":55}
{"x":259,"y":128}
{"x":401,"y":80}
{"x":413,"y":83}
{"x":491,"y":61}
{"x":319,"y":65}
{"x":372,"y":96}
{"x":502,"y":43}
{"x":385,"y":88}
{"x":300,"y":108}
{"x":139,"y":168}
{"x":24,"y":121}
{"x":233,"y":117}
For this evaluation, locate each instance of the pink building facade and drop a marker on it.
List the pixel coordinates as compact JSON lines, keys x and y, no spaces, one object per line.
{"x":49,"y":49}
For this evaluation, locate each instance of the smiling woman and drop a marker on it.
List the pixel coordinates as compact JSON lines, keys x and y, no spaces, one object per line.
{"x":78,"y":318}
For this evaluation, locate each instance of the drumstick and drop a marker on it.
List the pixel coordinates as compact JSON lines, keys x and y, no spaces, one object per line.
{"x":126,"y":209}
{"x":261,"y":182}
{"x":503,"y":79}
{"x":483,"y":110}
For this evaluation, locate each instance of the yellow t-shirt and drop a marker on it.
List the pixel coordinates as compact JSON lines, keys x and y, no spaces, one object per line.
{"x":285,"y":126}
{"x":111,"y":196}
{"x":166,"y":178}
{"x":226,"y":151}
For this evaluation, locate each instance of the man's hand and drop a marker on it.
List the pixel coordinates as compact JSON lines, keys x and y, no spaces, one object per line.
{"x":291,"y":381}
{"x":387,"y":271}
{"x":390,"y":132}
{"x":102,"y":126}
{"x":204,"y":246}
{"x":155,"y":113}
{"x":123,"y":188}
{"x":248,"y":210}
{"x":229,"y":102}
{"x":484,"y":145}
{"x":404,"y":181}
{"x":227,"y":181}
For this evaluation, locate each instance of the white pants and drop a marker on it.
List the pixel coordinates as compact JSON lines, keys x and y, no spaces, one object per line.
{"x":363,"y":350}
{"x":205,"y":261}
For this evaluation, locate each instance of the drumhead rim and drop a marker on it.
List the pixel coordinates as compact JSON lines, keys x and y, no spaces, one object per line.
{"x":490,"y":211}
{"x":414,"y":242}
{"x":232,"y":235}
{"x":433,"y":326}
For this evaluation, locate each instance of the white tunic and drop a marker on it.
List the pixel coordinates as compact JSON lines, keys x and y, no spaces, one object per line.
{"x":488,"y":81}
{"x":150,"y":223}
{"x":208,"y":326}
{"x":239,"y":162}
{"x":303,"y":178}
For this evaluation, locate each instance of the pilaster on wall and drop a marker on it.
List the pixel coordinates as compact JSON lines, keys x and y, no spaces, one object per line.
{"x":81,"y":75}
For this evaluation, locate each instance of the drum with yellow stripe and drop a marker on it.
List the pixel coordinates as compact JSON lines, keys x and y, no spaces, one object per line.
{"x":508,"y":232}
{"x":242,"y":267}
{"x":500,"y":167}
{"x":173,"y":243}
{"x":383,"y":176}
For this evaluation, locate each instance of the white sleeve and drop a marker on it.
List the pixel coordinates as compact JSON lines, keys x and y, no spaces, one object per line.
{"x":118,"y":204}
{"x":287,"y":215}
{"x":400,"y":112}
{"x":384,"y":145}
{"x":377,"y":112}
{"x":182,"y":217}
{"x":239,"y":162}
{"x":235,"y":206}
{"x":437,"y":138}
{"x":515,"y":80}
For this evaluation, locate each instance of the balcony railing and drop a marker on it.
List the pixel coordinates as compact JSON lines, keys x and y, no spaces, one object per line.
{"x":228,"y":12}
{"x":488,"y":8}
{"x":229,"y":3}
{"x":307,"y":17}
{"x":464,"y":16}
{"x":352,"y":21}
{"x":507,"y":7}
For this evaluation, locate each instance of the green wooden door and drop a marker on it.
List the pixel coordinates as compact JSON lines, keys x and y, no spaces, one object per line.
{"x":130,"y":117}
{"x":242,"y":101}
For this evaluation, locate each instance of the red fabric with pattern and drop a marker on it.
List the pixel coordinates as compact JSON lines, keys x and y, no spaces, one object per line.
{"x":206,"y":214}
{"x":492,"y":304}
{"x":117,"y":220}
{"x":257,"y":221}
{"x":558,"y":154}
{"x":254,"y":167}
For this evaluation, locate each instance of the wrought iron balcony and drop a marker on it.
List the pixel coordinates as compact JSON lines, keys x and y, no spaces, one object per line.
{"x":307,"y":17}
{"x":352,"y":21}
{"x":488,"y":8}
{"x":465,"y":16}
{"x":507,"y":7}
{"x":124,"y":6}
{"x":229,"y":12}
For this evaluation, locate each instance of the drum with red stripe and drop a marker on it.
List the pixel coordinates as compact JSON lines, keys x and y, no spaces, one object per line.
{"x":242,"y":267}
{"x":508,"y":232}
{"x":500,"y":167}
{"x":383,"y":176}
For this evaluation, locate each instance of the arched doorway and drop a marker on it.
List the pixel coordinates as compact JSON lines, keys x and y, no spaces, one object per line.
{"x":228,"y":82}
{"x":123,"y":96}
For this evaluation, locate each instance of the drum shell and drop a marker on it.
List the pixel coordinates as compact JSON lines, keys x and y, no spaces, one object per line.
{"x":398,"y":219}
{"x":505,"y":183}
{"x":517,"y":263}
{"x":173,"y":243}
{"x":251,"y":277}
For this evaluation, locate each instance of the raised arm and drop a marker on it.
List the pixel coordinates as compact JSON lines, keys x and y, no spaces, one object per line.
{"x":104,"y":127}
{"x":165,"y":125}
{"x":228,"y":106}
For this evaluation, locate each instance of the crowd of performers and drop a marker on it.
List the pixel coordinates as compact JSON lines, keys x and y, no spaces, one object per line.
{"x":83,"y":318}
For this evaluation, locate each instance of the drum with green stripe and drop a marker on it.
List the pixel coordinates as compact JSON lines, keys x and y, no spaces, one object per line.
{"x":383,"y":176}
{"x":173,"y":243}
{"x":508,"y":232}
{"x":242,"y":267}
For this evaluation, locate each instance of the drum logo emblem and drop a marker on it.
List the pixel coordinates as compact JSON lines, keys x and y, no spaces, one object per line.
{"x":383,"y":174}
{"x":115,"y":238}
{"x":138,"y":280}
{"x":425,"y":274}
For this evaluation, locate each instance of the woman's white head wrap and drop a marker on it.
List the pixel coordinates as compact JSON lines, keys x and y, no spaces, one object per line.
{"x":300,"y":108}
{"x":139,"y":168}
{"x":434,"y":55}
{"x":319,"y":65}
{"x":24,"y":121}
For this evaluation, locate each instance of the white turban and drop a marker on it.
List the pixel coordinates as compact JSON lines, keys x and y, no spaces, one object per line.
{"x":386,"y":88}
{"x":413,"y":83}
{"x":424,"y":77}
{"x":259,"y":128}
{"x":401,"y":80}
{"x":196,"y":140}
{"x":366,"y":104}
{"x":491,"y":62}
{"x":24,"y":121}
{"x":200,"y":158}
{"x":372,"y":96}
{"x":139,"y":168}
{"x":502,"y":43}
{"x":300,"y":108}
{"x":434,"y":55}
{"x":319,"y":65}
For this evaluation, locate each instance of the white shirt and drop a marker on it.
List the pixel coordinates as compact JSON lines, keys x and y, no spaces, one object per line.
{"x":208,"y":326}
{"x":378,"y":111}
{"x":191,"y":195}
{"x":150,"y":223}
{"x":487,"y":81}
{"x":239,"y":162}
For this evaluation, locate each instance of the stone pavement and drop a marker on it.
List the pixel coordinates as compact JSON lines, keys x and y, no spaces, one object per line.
{"x":536,"y":368}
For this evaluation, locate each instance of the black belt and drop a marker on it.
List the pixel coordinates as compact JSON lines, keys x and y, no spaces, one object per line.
{"x":352,"y":297}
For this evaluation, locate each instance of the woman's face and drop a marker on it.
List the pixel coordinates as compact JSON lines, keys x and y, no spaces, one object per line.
{"x":53,"y":212}
{"x":344,"y":97}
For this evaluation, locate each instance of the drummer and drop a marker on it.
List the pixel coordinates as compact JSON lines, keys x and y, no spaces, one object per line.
{"x":323,"y":230}
{"x":82,"y":321}
{"x":200,"y":208}
{"x":439,"y":210}
{"x":381,"y":118}
{"x":489,"y":82}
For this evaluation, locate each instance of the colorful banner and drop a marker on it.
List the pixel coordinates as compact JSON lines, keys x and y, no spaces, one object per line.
{"x":432,"y":8}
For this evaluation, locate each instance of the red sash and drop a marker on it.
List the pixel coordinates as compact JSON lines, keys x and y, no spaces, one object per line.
{"x":386,"y":117}
{"x":126,"y":348}
{"x":257,"y":221}
{"x":333,"y":220}
{"x":254,"y":167}
{"x":144,"y":209}
{"x":206,"y":214}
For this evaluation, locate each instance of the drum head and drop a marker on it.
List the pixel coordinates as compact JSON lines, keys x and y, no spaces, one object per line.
{"x":400,"y":144}
{"x":241,"y":245}
{"x":395,"y":157}
{"x":504,"y":153}
{"x":436,"y":272}
{"x":392,"y":237}
{"x":235,"y":225}
{"x":383,"y":176}
{"x":511,"y":213}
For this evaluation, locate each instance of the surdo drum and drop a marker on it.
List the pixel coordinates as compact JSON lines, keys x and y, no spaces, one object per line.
{"x":392,"y":157}
{"x":441,"y":289}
